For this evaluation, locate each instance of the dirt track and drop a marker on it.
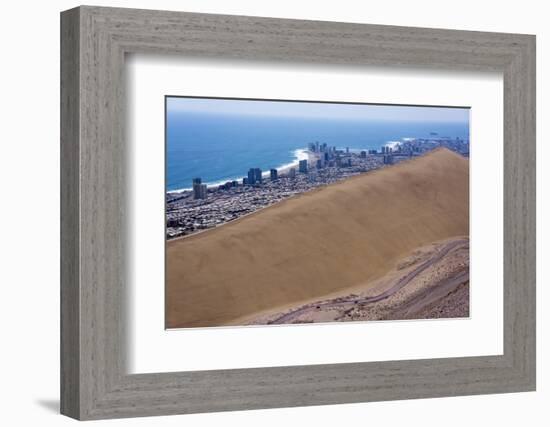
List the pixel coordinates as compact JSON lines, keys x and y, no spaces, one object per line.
{"x":351,"y":301}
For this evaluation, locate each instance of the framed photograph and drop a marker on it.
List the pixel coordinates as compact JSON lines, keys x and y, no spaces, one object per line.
{"x":319,"y":231}
{"x":262,"y":213}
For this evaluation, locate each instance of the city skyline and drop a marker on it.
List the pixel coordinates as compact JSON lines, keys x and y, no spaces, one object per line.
{"x":325,"y":163}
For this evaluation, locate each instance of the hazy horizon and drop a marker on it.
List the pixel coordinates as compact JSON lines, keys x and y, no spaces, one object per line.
{"x":316,"y":110}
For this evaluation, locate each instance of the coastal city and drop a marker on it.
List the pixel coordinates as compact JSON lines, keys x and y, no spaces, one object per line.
{"x":204,"y":207}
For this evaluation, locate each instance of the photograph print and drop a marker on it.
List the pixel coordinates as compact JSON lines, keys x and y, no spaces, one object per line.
{"x":282,"y":212}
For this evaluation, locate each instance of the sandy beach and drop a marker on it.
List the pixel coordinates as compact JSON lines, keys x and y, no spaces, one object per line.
{"x":346,"y":235}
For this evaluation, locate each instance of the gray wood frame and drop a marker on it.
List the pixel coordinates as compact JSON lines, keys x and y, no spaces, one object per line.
{"x":94,"y":41}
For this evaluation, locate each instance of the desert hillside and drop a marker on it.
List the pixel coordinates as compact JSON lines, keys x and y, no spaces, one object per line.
{"x":320,"y":242}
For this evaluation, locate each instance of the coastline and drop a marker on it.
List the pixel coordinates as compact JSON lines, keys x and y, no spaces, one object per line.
{"x":214,"y":204}
{"x":299,"y":154}
{"x":187,"y":215}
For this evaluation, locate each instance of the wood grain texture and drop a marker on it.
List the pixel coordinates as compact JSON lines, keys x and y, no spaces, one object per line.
{"x":70,"y":314}
{"x":94,"y":382}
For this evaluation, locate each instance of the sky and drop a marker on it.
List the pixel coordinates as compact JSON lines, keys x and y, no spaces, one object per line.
{"x":316,"y":110}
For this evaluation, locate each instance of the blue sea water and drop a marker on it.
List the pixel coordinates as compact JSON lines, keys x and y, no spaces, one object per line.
{"x":222,"y":147}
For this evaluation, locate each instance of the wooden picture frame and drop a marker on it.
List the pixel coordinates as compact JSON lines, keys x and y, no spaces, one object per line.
{"x":94,"y":382}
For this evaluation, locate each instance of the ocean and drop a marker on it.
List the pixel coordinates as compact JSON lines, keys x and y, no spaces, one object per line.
{"x":222,"y":147}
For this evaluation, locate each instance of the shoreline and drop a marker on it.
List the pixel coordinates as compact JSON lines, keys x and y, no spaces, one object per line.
{"x":187,"y":216}
{"x":189,"y":212}
{"x":304,"y":153}
{"x":293,"y":197}
{"x":299,"y":154}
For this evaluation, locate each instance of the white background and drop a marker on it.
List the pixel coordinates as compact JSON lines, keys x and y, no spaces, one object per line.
{"x":152,"y":349}
{"x":29,"y":215}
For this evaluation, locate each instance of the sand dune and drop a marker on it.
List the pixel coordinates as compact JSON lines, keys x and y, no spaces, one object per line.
{"x":430,"y":283}
{"x":321,"y":242}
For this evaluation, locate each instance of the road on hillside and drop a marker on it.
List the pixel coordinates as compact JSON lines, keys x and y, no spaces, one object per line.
{"x":352,"y":300}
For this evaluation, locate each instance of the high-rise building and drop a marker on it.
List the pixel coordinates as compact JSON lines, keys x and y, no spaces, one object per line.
{"x":258,"y":175}
{"x":251,"y":177}
{"x":273,"y":174}
{"x":292,"y":173}
{"x":326,"y":156}
{"x":199,"y":190}
{"x":363,"y":154}
{"x":302,"y":166}
{"x":245,"y":181}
